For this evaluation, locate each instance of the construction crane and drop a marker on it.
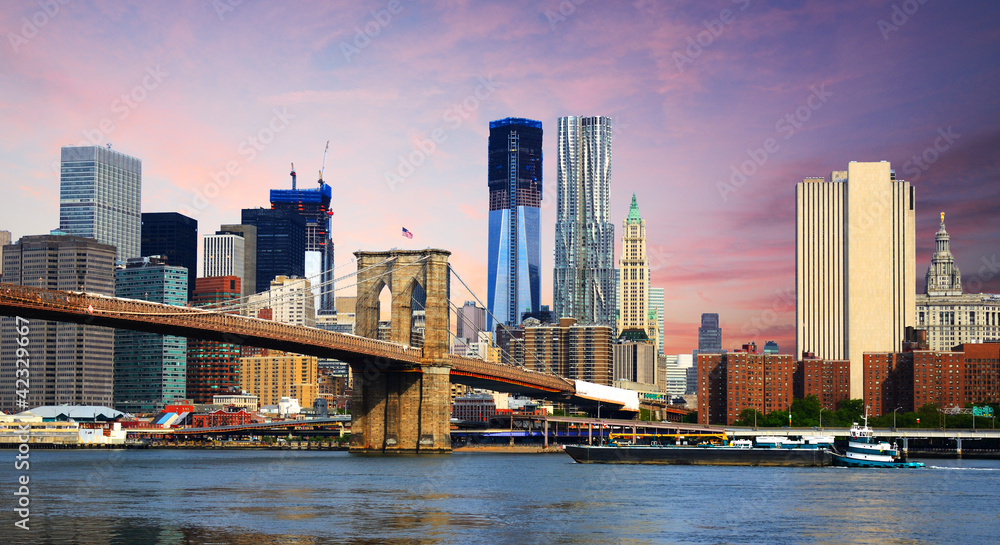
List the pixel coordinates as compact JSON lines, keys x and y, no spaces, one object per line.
{"x":323,"y":169}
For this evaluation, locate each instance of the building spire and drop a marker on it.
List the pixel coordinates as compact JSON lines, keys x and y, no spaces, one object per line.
{"x":943,"y":276}
{"x":633,"y":212}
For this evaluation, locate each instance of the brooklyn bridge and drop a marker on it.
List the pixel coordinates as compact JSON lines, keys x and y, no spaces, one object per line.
{"x":401,"y":393}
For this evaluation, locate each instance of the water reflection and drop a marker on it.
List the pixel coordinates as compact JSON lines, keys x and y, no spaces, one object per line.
{"x":209,"y":497}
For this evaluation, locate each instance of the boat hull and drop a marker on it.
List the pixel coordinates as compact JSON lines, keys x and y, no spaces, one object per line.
{"x":846,"y":461}
{"x":708,"y":456}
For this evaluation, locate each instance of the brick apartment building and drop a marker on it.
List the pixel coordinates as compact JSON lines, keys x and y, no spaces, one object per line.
{"x":744,"y":379}
{"x":969,"y":373}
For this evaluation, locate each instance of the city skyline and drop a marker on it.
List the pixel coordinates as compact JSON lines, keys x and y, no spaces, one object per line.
{"x":692,"y":123}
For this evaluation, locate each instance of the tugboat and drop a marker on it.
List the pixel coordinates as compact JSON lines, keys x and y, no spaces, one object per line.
{"x":863,"y":450}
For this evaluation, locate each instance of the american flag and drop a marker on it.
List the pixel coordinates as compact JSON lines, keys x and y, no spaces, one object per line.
{"x":406,"y":233}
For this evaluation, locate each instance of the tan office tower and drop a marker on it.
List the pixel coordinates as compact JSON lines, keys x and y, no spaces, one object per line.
{"x":633,"y":287}
{"x":855,"y":265}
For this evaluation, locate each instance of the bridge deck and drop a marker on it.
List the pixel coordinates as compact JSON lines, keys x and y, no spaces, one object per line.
{"x":195,"y":323}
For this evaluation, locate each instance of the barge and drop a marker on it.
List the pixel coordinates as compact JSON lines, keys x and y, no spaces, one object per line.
{"x":740,"y":453}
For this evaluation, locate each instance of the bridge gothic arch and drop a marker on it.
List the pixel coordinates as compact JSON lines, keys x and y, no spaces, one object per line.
{"x":403,"y":410}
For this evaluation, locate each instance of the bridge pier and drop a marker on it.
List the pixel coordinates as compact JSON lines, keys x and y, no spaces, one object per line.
{"x":399,"y":408}
{"x":401,"y":411}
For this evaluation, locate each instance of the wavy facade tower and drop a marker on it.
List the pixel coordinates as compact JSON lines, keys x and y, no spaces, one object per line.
{"x":855,"y":263}
{"x":515,"y":185}
{"x":584,"y":283}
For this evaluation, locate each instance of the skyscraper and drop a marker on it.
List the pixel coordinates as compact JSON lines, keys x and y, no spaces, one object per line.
{"x":854,"y":265}
{"x":470,"y":321}
{"x":223,"y":255}
{"x":709,"y":334}
{"x":100,"y":197}
{"x":313,"y":205}
{"x":4,"y":240}
{"x":248,"y":280}
{"x":657,"y":303}
{"x":515,"y":197}
{"x":213,"y":368}
{"x":150,"y":369}
{"x":633,"y":292}
{"x":281,"y":244}
{"x":70,"y":363}
{"x":584,"y":285}
{"x":175,"y":236}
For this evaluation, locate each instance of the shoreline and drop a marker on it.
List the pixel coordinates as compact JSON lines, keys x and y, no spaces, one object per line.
{"x":507,"y":449}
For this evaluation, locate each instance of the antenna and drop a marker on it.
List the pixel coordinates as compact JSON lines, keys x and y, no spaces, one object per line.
{"x":323,"y":170}
{"x":293,"y":176}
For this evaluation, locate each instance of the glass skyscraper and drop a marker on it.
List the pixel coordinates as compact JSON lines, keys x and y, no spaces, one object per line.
{"x":585,"y":285}
{"x":281,"y":244}
{"x":709,"y":334}
{"x":150,"y":369}
{"x":313,"y":205}
{"x":656,"y":303}
{"x":515,"y":189}
{"x":175,"y":236}
{"x":100,"y":197}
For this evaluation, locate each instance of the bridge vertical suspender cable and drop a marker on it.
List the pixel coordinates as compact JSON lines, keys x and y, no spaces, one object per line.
{"x":502,"y":324}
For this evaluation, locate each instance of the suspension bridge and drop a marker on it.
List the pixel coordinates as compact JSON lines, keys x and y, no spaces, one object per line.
{"x":401,"y":393}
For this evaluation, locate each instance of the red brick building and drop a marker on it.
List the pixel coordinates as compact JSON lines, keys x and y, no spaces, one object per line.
{"x":221,"y":418}
{"x":939,"y":378}
{"x":969,"y":374}
{"x":712,"y":389}
{"x":828,"y":380}
{"x":213,"y":367}
{"x":982,"y":372}
{"x":730,"y":383}
{"x":888,"y":381}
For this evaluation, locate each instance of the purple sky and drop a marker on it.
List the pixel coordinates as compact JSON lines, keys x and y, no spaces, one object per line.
{"x":193,"y":89}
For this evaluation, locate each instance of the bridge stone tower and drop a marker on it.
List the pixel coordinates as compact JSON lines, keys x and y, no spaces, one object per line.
{"x":399,"y":408}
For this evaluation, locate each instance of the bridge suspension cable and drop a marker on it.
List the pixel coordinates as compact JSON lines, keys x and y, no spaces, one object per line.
{"x":502,"y":324}
{"x":238,"y":302}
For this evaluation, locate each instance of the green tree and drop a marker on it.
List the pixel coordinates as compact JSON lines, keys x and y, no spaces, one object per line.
{"x":805,"y":412}
{"x":849,"y":411}
{"x":929,"y":415}
{"x":775,"y":419}
{"x":750,"y":417}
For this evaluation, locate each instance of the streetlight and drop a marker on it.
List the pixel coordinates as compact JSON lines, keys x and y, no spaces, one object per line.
{"x":821,"y":417}
{"x":894,"y":418}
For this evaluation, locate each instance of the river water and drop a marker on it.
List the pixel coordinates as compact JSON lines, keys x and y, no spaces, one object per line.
{"x":292,"y":497}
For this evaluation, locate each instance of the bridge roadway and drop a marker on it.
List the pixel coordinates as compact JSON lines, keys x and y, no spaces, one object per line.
{"x":195,"y":323}
{"x":881,"y":433}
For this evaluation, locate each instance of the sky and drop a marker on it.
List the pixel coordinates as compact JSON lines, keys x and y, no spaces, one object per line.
{"x":218,"y":98}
